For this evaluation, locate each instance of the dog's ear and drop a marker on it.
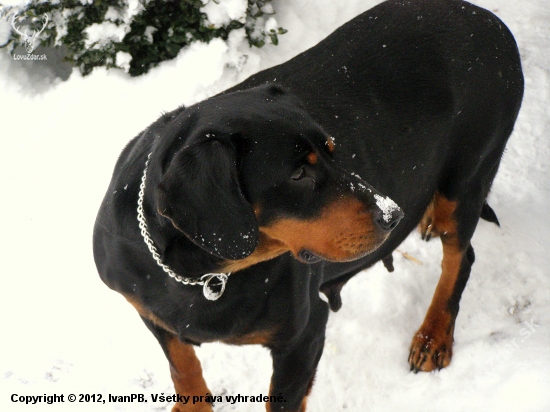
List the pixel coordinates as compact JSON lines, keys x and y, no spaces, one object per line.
{"x":201,"y":195}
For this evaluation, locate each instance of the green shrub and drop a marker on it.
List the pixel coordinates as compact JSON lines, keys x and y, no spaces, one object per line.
{"x":134,"y":36}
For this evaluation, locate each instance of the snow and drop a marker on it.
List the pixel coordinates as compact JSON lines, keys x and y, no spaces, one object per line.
{"x":271,"y":25}
{"x":222,"y":12}
{"x":64,"y":332}
{"x":123,"y":60}
{"x":126,"y":14}
{"x":99,"y":34}
{"x":386,"y":205}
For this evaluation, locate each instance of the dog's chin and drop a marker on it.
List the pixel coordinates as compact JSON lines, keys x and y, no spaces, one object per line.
{"x":309,"y":256}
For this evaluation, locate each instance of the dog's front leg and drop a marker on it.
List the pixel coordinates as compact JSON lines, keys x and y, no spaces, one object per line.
{"x":189,"y":383}
{"x":294,"y":366}
{"x":185,"y":369}
{"x":454,"y":221}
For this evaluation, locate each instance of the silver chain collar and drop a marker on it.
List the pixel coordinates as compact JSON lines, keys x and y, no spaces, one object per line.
{"x":204,"y":280}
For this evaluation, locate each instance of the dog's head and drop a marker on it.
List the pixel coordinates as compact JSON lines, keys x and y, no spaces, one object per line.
{"x":255,"y":177}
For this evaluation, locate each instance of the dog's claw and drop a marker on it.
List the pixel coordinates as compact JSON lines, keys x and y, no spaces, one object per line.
{"x":426,"y":226}
{"x":428,"y":354}
{"x":429,"y":358}
{"x":427,"y":230}
{"x":429,"y":234}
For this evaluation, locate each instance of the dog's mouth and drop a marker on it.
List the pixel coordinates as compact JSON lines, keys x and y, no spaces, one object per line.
{"x":307,"y":256}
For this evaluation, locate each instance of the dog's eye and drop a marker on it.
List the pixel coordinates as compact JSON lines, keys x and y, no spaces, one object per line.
{"x":299,"y":174}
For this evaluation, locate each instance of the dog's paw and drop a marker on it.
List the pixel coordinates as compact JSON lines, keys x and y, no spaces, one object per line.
{"x":426,"y":226}
{"x":189,"y":407}
{"x":430,"y":351}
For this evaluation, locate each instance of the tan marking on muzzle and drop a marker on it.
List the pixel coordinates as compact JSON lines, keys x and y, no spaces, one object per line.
{"x":344,"y":231}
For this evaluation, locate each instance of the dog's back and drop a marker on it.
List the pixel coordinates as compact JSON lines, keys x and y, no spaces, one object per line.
{"x":426,"y":87}
{"x":421,"y":97}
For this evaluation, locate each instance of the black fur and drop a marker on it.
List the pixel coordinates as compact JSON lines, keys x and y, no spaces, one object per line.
{"x":420,"y":97}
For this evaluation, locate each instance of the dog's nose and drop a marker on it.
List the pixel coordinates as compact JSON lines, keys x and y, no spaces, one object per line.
{"x":387,"y":218}
{"x":389,"y":223}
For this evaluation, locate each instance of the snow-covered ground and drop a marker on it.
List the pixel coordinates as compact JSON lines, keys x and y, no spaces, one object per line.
{"x":64,"y":332}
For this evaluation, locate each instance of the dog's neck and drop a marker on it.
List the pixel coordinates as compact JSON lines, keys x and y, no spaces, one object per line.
{"x":267,"y":249}
{"x":207,"y":281}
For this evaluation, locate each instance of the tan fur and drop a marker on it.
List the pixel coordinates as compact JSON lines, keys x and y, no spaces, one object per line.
{"x":186,"y":372}
{"x":344,"y":231}
{"x":431,"y":347}
{"x":148,"y":314}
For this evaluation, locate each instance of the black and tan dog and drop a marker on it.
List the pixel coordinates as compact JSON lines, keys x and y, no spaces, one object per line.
{"x":253,"y":201}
